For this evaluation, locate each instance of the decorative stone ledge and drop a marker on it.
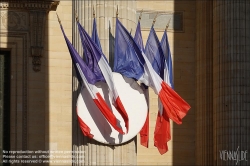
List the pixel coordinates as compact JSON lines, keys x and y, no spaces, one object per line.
{"x":47,"y":5}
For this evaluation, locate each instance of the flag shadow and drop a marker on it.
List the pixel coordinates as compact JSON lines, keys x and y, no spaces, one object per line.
{"x":97,"y":116}
{"x":133,"y":84}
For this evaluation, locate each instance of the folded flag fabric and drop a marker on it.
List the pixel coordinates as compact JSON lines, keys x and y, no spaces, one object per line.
{"x":168,"y":78}
{"x":131,"y":61}
{"x":144,"y":133}
{"x":155,"y":55}
{"x":162,"y":133}
{"x":89,"y":79}
{"x":94,"y":36}
{"x":89,"y":58}
{"x":175,"y":107}
{"x":126,"y":61}
{"x":105,"y":69}
{"x":96,"y":39}
{"x":167,"y":53}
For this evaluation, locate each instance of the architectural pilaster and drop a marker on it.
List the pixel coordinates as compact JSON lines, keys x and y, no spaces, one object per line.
{"x":231,"y":65}
{"x":204,"y":83}
{"x":92,"y":152}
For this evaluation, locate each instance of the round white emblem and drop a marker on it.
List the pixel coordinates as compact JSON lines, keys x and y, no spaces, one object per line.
{"x":133,"y":100}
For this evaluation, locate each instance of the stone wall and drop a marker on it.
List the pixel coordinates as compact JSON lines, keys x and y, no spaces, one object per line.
{"x":58,"y":81}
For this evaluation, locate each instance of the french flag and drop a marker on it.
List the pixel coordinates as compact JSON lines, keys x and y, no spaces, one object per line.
{"x":155,"y":55}
{"x":144,"y":133}
{"x":94,"y":36}
{"x":132,"y":62}
{"x":101,"y":61}
{"x":88,"y":78}
{"x":89,"y":57}
{"x":167,"y":53}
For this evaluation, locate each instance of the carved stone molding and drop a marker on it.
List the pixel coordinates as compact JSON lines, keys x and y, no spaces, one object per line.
{"x":46,"y":5}
{"x":28,"y":15}
{"x":14,"y":20}
{"x":37,"y":22}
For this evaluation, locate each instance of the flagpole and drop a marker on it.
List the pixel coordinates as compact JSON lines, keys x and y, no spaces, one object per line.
{"x":93,"y":12}
{"x":167,"y":25}
{"x":117,"y":12}
{"x":58,"y":19}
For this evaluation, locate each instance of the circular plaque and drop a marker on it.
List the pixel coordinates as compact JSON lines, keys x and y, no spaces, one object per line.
{"x":133,"y":100}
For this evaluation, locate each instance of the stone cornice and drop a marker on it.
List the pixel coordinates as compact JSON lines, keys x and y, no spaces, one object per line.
{"x":46,"y":5}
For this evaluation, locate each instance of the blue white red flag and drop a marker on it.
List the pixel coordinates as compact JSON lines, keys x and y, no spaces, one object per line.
{"x":138,"y":37}
{"x":167,"y":54}
{"x":105,"y":69}
{"x":89,"y":58}
{"x":144,"y":133}
{"x":94,"y":36}
{"x":132,"y":62}
{"x":89,"y":79}
{"x":155,"y":55}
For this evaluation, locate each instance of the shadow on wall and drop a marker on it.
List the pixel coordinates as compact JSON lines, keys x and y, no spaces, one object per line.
{"x":184,"y":80}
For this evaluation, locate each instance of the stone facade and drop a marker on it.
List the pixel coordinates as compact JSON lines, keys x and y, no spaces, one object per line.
{"x":222,"y":101}
{"x":209,"y":42}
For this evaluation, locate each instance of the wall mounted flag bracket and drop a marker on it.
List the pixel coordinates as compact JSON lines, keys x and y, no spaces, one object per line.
{"x":117,"y":12}
{"x":140,"y":16}
{"x":77,"y":19}
{"x":154,"y":19}
{"x":167,"y":24}
{"x":93,"y":12}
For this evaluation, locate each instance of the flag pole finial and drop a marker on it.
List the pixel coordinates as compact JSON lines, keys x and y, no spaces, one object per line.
{"x":117,"y":12}
{"x":93,"y":11}
{"x":58,"y":19}
{"x":77,"y":20}
{"x":140,"y":15}
{"x":168,"y":24}
{"x":154,"y":19}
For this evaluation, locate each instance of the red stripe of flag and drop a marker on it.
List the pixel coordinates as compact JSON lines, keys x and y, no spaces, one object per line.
{"x":120,"y":108}
{"x":85,"y":129}
{"x":144,"y":133}
{"x":175,"y":107}
{"x":162,"y":132}
{"x":101,"y":104}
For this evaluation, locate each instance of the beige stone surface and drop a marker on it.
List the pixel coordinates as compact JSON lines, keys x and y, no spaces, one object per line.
{"x":58,"y":85}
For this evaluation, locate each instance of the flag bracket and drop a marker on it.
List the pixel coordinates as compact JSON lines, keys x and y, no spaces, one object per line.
{"x":93,"y":12}
{"x":140,"y":15}
{"x":117,"y":12}
{"x":168,"y":24}
{"x":155,"y":19}
{"x":77,"y":19}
